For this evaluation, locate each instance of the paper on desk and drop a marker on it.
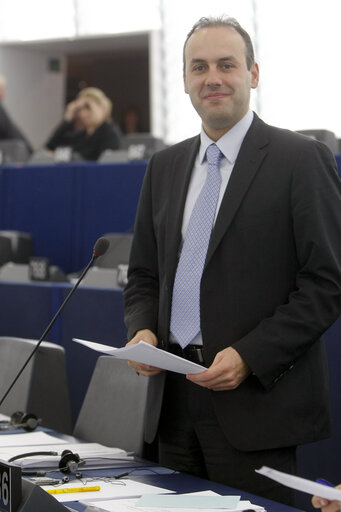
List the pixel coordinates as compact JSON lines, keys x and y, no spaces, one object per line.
{"x":95,"y":455}
{"x":29,"y":439}
{"x":130,"y":505}
{"x":145,"y":353}
{"x":189,"y":501}
{"x":301,"y":484}
{"x":108,"y":490}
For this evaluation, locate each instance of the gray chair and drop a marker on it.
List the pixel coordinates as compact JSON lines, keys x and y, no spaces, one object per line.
{"x":13,"y":151}
{"x":141,"y":146}
{"x":114,"y":155}
{"x":325,"y":136}
{"x":20,"y":273}
{"x":118,"y":251}
{"x":5,"y":250}
{"x":21,"y":245}
{"x":113,"y":410}
{"x":108,"y":269}
{"x":42,"y":387}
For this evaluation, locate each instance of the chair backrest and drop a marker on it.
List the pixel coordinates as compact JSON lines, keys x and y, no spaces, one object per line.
{"x":42,"y":387}
{"x":21,"y":245}
{"x":13,"y":151}
{"x":20,"y":273}
{"x":5,"y":250}
{"x":325,"y":136}
{"x":118,"y":251}
{"x":141,"y":146}
{"x":113,"y":410}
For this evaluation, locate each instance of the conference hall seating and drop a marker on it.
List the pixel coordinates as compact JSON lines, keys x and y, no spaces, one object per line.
{"x":114,"y":406}
{"x":42,"y":388}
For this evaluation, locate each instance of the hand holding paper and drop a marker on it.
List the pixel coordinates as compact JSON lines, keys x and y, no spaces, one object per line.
{"x":145,"y":353}
{"x":301,"y":484}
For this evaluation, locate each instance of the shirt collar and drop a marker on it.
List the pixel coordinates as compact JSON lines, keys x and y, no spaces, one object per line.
{"x":229,"y":144}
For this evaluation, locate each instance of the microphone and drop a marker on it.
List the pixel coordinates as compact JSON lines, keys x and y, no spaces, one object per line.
{"x":99,"y":249}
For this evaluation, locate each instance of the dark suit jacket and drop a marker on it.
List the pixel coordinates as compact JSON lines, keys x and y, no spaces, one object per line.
{"x":8,"y":130}
{"x":271,"y":284}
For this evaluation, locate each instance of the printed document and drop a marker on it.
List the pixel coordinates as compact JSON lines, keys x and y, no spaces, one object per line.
{"x":301,"y":484}
{"x":145,"y":353}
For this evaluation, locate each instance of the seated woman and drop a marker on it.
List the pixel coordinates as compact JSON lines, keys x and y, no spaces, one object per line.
{"x":86,"y":127}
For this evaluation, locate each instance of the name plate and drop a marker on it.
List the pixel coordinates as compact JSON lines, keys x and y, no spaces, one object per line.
{"x":10,"y":487}
{"x":39,"y":269}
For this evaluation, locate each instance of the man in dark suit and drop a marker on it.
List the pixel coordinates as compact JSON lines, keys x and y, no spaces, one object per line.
{"x":269,"y":288}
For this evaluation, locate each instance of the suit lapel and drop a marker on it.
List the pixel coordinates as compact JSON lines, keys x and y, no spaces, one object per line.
{"x":182,"y":170}
{"x":250,"y":157}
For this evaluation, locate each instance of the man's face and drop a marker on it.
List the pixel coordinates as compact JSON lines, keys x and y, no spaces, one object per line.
{"x":217,"y":79}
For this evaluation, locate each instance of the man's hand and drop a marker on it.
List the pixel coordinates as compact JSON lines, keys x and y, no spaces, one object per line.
{"x":326,"y":505}
{"x":149,"y":337}
{"x":227,"y":371}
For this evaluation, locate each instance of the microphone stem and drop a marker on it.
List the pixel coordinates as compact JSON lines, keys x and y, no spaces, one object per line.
{"x":48,"y":328}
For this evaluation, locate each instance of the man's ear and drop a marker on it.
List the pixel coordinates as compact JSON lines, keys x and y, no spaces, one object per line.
{"x":185,"y":83}
{"x":254,"y":75}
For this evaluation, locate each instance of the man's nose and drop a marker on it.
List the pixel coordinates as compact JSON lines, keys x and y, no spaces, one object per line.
{"x":213,"y":77}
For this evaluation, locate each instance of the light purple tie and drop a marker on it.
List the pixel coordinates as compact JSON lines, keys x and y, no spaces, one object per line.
{"x":185,"y":314}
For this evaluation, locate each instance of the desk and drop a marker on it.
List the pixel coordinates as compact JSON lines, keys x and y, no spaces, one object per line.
{"x":66,"y":207}
{"x":150,"y":473}
{"x":183,"y":483}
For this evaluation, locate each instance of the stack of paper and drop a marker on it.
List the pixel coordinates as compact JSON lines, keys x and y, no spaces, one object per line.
{"x":29,"y":439}
{"x":93,"y":455}
{"x":205,"y":501}
{"x":102,"y":489}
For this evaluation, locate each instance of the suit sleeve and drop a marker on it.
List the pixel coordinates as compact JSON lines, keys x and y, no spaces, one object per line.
{"x":141,"y":295}
{"x":272,"y":348}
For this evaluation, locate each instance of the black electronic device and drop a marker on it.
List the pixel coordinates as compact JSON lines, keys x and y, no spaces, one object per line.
{"x":19,"y":419}
{"x":99,"y":249}
{"x":69,"y":462}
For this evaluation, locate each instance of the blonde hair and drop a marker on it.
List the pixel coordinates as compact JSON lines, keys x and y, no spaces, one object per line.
{"x":100,"y":98}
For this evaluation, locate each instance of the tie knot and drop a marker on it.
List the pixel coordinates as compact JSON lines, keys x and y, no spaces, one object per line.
{"x":213,"y":154}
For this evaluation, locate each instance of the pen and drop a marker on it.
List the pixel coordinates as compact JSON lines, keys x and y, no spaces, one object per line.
{"x":324,"y":482}
{"x":73,"y":489}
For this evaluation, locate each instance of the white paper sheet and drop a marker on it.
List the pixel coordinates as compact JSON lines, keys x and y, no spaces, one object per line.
{"x":188,"y":501}
{"x":129,"y":505}
{"x":145,"y":353}
{"x":95,"y":455}
{"x":29,"y":439}
{"x":301,"y":484}
{"x":113,"y":489}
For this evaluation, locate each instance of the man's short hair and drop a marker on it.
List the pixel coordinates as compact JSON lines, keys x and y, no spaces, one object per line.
{"x":223,"y":21}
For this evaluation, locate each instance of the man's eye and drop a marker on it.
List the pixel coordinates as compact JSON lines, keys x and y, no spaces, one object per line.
{"x":199,"y":67}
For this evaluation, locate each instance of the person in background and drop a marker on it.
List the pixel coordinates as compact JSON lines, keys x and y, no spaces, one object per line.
{"x":131,"y":121}
{"x":8,"y":129}
{"x":236,"y":265}
{"x":326,"y":505}
{"x":86,"y":127}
